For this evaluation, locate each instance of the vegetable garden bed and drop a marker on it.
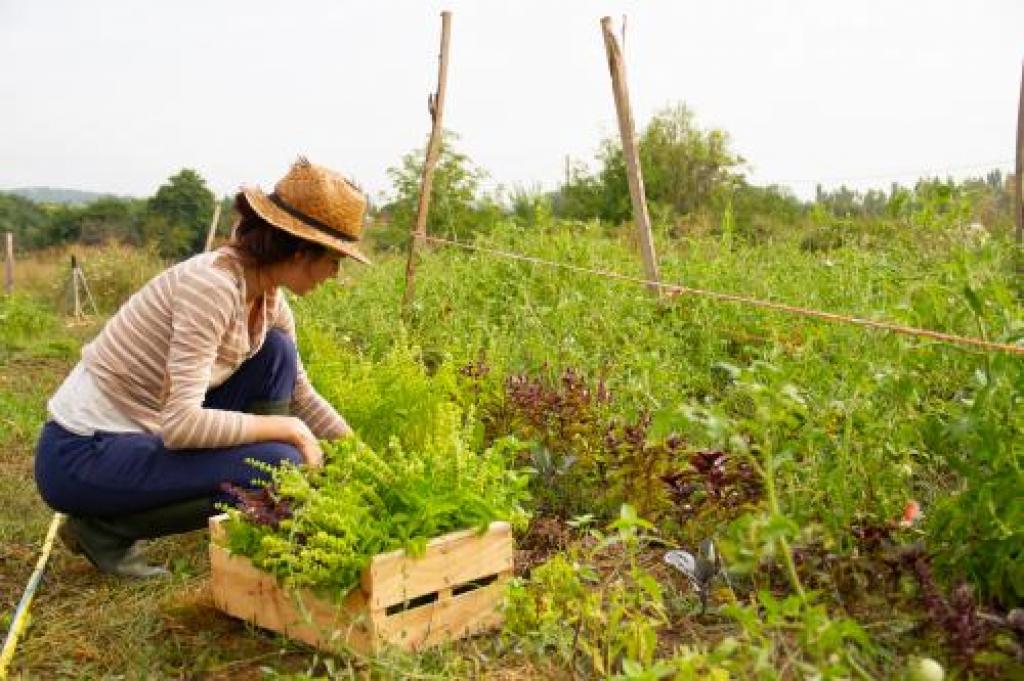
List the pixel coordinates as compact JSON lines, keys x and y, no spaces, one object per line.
{"x":453,"y":590}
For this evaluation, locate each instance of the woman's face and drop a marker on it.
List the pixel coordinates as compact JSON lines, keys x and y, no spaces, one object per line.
{"x":305,"y":271}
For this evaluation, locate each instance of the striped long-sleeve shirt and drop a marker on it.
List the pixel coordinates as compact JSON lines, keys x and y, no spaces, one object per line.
{"x":183,"y":333}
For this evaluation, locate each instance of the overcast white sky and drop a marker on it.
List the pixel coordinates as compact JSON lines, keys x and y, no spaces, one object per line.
{"x":117,"y":95}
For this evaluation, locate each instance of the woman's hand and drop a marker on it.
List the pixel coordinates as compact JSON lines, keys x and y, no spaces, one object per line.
{"x":292,"y":430}
{"x":307,"y":444}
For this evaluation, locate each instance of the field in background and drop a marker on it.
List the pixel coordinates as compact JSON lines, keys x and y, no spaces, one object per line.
{"x":849,"y":424}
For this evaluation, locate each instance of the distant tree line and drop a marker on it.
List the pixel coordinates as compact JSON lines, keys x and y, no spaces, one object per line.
{"x":173,"y":222}
{"x":693,"y":179}
{"x":690,"y":174}
{"x":987,"y":199}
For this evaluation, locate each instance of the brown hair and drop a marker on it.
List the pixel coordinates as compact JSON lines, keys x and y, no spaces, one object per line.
{"x":261,"y":243}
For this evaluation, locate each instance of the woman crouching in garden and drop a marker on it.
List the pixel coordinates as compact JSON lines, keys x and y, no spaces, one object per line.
{"x":195,"y":374}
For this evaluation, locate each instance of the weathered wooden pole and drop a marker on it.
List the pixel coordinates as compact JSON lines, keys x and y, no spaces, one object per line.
{"x":213,"y":227}
{"x":74,"y":287}
{"x":9,"y":263}
{"x":1018,"y":179}
{"x":435,"y":104}
{"x":78,"y":279}
{"x":631,"y":155}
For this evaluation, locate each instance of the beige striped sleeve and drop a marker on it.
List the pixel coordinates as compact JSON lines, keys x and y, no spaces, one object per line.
{"x":204,"y":304}
{"x":323,"y":419}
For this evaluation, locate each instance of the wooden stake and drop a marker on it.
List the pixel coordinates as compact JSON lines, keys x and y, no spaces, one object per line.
{"x":213,"y":227}
{"x":9,"y":263}
{"x":631,"y":155}
{"x":435,"y":104}
{"x":74,"y":287}
{"x":78,"y":280}
{"x":88,"y":293}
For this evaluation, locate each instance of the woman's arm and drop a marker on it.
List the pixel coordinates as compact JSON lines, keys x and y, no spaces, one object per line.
{"x":205,"y":304}
{"x":322,"y":418}
{"x":291,"y":430}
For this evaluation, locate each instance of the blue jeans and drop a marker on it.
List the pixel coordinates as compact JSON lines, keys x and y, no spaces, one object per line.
{"x":114,"y":473}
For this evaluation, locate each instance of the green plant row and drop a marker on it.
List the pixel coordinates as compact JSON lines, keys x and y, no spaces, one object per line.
{"x":320,"y":528}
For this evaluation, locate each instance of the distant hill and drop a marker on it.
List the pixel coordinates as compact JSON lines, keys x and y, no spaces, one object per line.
{"x":70,"y":197}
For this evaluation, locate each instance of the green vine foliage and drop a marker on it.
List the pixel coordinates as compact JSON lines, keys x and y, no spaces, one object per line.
{"x":362,"y":503}
{"x":979,"y":530}
{"x":610,"y":624}
{"x":588,"y":621}
{"x":399,"y":395}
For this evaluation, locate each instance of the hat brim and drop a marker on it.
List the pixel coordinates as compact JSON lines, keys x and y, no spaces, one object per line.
{"x":276,"y":216}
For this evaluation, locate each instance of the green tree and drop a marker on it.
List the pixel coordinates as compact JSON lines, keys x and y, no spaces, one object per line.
{"x":179,"y":214}
{"x":685,"y":169}
{"x":109,"y":219}
{"x":456,"y":207}
{"x":38,"y":225}
{"x":761,"y":212}
{"x":582,"y":196}
{"x":26,"y":219}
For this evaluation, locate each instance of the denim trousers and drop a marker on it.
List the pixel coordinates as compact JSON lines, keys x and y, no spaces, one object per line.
{"x":109,"y":474}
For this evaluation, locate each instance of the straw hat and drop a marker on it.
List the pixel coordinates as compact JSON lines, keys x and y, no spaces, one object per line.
{"x":316,"y":204}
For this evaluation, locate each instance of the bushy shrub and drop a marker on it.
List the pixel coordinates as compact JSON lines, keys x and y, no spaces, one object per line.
{"x":979,"y":527}
{"x":825,"y":238}
{"x":320,"y":529}
{"x":392,"y":398}
{"x":113,"y":273}
{"x":29,"y":325}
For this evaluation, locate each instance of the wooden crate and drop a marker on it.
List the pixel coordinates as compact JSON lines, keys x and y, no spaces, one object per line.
{"x":452,"y":591}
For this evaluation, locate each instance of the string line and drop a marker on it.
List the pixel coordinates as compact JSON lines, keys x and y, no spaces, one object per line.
{"x":679,"y":289}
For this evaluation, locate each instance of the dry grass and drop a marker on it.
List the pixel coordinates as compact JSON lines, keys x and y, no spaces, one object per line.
{"x":112,"y":272}
{"x":86,"y":625}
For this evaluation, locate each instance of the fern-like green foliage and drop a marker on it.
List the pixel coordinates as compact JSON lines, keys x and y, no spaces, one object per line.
{"x":364,"y":502}
{"x":394,"y":397}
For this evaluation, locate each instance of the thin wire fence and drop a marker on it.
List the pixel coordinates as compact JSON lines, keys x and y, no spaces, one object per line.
{"x":680,"y":290}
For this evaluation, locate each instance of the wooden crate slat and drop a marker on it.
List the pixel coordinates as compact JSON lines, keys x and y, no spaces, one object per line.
{"x":450,"y":564}
{"x":244,"y":591}
{"x":218,"y":535}
{"x":445,"y":619}
{"x":448,"y":561}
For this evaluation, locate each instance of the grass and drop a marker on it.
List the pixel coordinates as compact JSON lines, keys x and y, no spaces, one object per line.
{"x":864,"y":448}
{"x":112,"y":273}
{"x":85,"y":625}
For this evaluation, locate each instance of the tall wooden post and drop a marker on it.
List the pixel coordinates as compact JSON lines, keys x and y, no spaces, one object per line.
{"x":1018,"y":179}
{"x":213,"y":227}
{"x":435,"y":104}
{"x":74,"y":287}
{"x":631,"y":155}
{"x":9,"y":263}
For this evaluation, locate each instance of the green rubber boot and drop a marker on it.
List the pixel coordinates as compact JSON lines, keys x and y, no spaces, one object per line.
{"x":107,"y":551}
{"x":270,"y":408}
{"x":111,"y":543}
